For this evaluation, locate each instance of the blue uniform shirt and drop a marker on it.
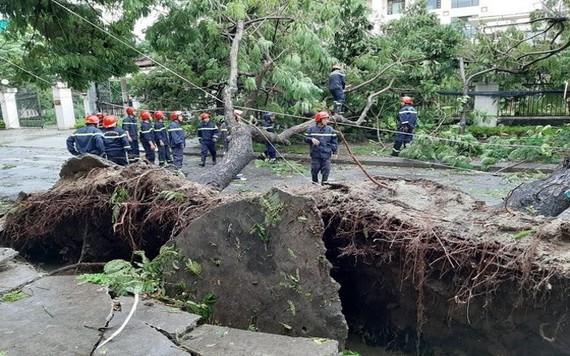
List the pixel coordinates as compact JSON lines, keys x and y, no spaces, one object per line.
{"x":131,"y":126}
{"x":88,"y":139}
{"x":328,"y":142}
{"x":160,"y":132}
{"x":176,"y":134}
{"x":268,"y":125}
{"x":406,"y":116}
{"x":147,"y":132}
{"x":115,"y":139}
{"x":336,"y":80}
{"x":207,"y":131}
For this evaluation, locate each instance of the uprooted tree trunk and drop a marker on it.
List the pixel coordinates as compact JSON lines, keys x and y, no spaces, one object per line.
{"x":543,"y":196}
{"x":422,"y":267}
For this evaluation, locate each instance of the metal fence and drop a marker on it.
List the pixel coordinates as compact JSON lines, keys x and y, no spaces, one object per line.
{"x":29,"y":109}
{"x":516,"y":103}
{"x":533,"y":103}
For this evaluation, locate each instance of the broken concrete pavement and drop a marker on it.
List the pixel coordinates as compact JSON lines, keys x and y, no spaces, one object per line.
{"x":60,"y":316}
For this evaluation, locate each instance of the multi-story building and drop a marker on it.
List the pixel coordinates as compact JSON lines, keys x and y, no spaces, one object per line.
{"x":470,"y":12}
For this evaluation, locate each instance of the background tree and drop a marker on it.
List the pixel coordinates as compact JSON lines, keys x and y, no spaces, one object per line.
{"x":512,"y":54}
{"x":65,"y":41}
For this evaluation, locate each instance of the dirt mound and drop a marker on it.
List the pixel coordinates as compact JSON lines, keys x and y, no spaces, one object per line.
{"x":98,"y":211}
{"x":424,"y":268}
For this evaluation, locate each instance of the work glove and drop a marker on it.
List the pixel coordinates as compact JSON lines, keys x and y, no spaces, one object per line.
{"x":405,"y":128}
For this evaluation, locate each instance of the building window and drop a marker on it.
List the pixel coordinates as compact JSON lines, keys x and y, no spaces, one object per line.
{"x":433,"y":4}
{"x":396,"y":6}
{"x":466,"y":27}
{"x":464,"y":3}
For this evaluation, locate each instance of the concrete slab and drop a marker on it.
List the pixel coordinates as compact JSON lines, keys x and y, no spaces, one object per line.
{"x":60,"y":317}
{"x":210,"y":340}
{"x":15,"y":275}
{"x":149,"y":331}
{"x":6,"y":254}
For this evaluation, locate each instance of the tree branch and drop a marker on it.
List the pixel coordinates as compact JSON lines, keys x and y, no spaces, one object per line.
{"x":368,"y":81}
{"x":370,"y":102}
{"x":271,"y":17}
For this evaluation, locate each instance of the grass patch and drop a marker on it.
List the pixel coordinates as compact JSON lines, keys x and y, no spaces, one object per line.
{"x":13,"y":296}
{"x":5,"y":206}
{"x":8,"y":166}
{"x":282,"y":167}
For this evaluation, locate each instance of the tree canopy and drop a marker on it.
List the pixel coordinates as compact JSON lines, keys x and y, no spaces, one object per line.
{"x":74,"y":42}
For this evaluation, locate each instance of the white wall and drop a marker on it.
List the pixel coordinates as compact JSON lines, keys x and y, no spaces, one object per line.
{"x":486,"y":8}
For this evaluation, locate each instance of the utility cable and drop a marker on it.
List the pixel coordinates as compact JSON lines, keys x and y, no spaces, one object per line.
{"x":253,"y":109}
{"x":137,"y":51}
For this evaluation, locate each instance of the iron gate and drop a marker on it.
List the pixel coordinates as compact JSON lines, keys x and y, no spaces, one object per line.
{"x":29,"y":109}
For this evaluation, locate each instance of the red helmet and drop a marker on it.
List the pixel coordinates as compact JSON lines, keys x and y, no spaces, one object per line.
{"x":204,"y":115}
{"x":158,"y":115}
{"x":145,"y":115}
{"x":174,"y":115}
{"x":109,"y":121}
{"x":130,"y":110}
{"x":321,"y":115}
{"x":92,"y":119}
{"x":407,"y":100}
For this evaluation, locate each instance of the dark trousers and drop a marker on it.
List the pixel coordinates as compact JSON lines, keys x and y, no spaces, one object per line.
{"x":118,"y":157}
{"x":177,"y":155}
{"x":163,"y":155}
{"x":322,"y":165}
{"x":270,"y":150}
{"x":134,"y":152}
{"x":208,"y":146}
{"x":148,"y":152}
{"x":397,"y":147}
{"x":338,"y":97}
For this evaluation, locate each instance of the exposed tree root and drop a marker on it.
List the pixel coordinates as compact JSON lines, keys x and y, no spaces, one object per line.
{"x":432,"y":234}
{"x":115,"y":208}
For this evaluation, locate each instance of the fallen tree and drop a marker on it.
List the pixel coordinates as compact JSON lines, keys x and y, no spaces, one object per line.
{"x":543,"y":196}
{"x":420,"y":265}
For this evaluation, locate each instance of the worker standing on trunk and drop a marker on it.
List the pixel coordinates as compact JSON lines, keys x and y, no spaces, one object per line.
{"x":208,"y":135}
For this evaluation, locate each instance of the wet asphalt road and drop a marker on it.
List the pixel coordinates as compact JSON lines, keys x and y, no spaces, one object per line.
{"x":30,"y":160}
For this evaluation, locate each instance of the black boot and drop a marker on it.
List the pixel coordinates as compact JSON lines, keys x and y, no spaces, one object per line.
{"x":203,"y":162}
{"x":325,"y":179}
{"x":337,"y":109}
{"x":214,"y":159}
{"x":315,"y":178}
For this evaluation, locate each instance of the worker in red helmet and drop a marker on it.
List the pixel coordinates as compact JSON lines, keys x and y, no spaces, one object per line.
{"x":131,"y":127}
{"x":176,"y":138}
{"x":87,"y":139}
{"x":208,"y":135}
{"x":147,"y":136}
{"x":405,"y":123}
{"x":161,"y":139}
{"x":116,"y":141}
{"x":323,"y":144}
